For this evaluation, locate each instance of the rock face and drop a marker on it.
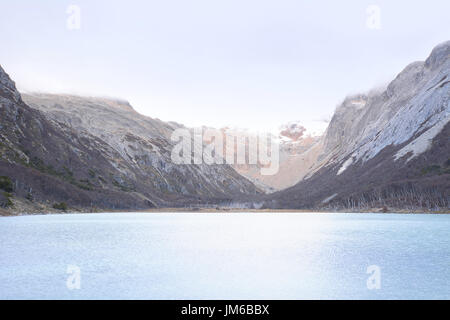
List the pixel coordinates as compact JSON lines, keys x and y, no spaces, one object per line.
{"x":298,"y":151}
{"x":386,"y":147}
{"x":93,"y":152}
{"x":389,"y":147}
{"x":48,"y":162}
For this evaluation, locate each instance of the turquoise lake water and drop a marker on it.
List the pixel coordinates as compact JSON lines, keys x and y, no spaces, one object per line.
{"x":225,"y":256}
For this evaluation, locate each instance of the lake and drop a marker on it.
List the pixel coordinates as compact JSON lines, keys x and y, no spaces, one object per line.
{"x":225,"y":256}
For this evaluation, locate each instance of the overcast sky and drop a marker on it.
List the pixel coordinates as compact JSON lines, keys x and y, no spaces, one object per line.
{"x":255,"y":64}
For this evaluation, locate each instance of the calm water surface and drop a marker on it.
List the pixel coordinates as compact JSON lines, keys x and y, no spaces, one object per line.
{"x":225,"y":256}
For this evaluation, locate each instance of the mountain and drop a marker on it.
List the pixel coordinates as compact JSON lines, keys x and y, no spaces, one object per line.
{"x":48,"y":163}
{"x":387,"y":147}
{"x":298,"y":147}
{"x":98,"y":153}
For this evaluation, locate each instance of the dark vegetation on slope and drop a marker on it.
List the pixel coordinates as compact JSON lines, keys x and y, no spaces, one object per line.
{"x":47,"y":162}
{"x":46,"y":158}
{"x":423,"y":182}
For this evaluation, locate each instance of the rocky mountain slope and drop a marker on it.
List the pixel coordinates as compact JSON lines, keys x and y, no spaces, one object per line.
{"x":99,"y":153}
{"x":389,"y":147}
{"x":298,"y":148}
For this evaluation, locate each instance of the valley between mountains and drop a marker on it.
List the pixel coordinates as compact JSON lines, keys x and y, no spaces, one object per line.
{"x":384,"y":150}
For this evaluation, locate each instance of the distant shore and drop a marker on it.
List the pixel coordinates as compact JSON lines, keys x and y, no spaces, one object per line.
{"x":23,"y":207}
{"x":4,"y":212}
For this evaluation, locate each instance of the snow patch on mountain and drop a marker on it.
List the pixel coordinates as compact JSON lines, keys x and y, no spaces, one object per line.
{"x":328,"y":199}
{"x":297,"y":130}
{"x":414,"y":106}
{"x":423,"y":142}
{"x":345,"y":165}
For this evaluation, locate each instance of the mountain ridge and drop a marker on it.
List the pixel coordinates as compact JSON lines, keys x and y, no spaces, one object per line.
{"x":388,"y":147}
{"x":72,"y":157}
{"x":379,"y":147}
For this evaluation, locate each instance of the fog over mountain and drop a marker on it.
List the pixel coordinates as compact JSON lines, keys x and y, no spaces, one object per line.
{"x":386,"y":147}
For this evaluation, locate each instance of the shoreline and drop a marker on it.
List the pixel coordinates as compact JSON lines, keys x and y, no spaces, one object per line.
{"x":168,"y":210}
{"x":23,"y":207}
